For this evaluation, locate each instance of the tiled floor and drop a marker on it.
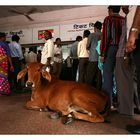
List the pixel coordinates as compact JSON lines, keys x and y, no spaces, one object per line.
{"x":16,"y":119}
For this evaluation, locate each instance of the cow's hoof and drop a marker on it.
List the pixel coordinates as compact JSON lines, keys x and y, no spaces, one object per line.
{"x":55,"y":115}
{"x":41,"y":110}
{"x":44,"y":110}
{"x":68,"y":120}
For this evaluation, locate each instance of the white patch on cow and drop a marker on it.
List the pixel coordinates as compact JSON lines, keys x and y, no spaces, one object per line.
{"x":71,"y":109}
{"x":36,"y":107}
{"x":33,"y":85}
{"x":32,"y":99}
{"x":47,"y":69}
{"x":79,"y":109}
{"x":74,"y":108}
{"x":69,"y":115}
{"x":90,"y":114}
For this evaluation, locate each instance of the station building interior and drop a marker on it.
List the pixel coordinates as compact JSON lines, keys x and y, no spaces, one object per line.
{"x":65,"y":22}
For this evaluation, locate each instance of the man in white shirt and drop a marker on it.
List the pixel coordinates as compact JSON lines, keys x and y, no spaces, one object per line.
{"x":58,"y":58}
{"x":48,"y":49}
{"x":83,"y":56}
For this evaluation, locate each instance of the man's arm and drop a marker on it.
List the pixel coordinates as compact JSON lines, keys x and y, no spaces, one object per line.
{"x":105,"y":37}
{"x":130,"y":45}
{"x":50,"y":52}
{"x":78,"y":49}
{"x":136,"y":20}
{"x":89,"y":42}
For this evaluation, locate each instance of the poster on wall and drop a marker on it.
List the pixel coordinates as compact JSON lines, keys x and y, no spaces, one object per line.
{"x":38,"y":33}
{"x":41,"y":33}
{"x":70,"y":31}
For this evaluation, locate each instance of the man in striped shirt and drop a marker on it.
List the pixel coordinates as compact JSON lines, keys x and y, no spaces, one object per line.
{"x":112,"y":30}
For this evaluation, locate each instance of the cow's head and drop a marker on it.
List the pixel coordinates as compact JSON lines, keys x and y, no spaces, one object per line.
{"x":35,"y":70}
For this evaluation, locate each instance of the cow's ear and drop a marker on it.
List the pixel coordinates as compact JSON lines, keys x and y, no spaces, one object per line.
{"x":46,"y":75}
{"x":21,"y":74}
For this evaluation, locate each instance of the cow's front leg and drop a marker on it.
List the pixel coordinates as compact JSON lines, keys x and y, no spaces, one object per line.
{"x":34,"y":105}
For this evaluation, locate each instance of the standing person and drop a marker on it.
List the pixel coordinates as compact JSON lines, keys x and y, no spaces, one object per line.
{"x":39,"y":56}
{"x":83,"y":56}
{"x":74,"y":57}
{"x":58,"y":58}
{"x":16,"y":56}
{"x":48,"y":49}
{"x":112,"y":30}
{"x":4,"y":61}
{"x":23,"y":65}
{"x":135,"y":56}
{"x":100,"y":66}
{"x":92,"y":68}
{"x":123,"y":74}
{"x":68,"y":62}
{"x":23,"y":52}
{"x":31,"y":56}
{"x":130,"y":46}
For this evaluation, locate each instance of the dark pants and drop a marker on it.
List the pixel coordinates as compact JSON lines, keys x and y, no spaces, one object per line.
{"x":108,"y":72}
{"x":57,"y":69}
{"x":99,"y":80}
{"x":82,"y":69}
{"x":66,"y":72}
{"x":74,"y":68}
{"x":124,"y":85}
{"x":13,"y":75}
{"x":136,"y":58}
{"x":93,"y":75}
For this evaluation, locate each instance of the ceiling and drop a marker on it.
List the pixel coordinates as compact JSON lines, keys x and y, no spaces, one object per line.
{"x":7,"y":11}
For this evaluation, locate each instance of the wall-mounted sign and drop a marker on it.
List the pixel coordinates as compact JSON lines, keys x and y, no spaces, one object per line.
{"x":24,"y":34}
{"x":9,"y":34}
{"x":41,"y":33}
{"x":38,"y":33}
{"x":66,"y":32}
{"x":70,"y":31}
{"x":83,"y":26}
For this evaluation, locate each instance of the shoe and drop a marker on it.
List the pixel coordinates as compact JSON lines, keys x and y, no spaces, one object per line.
{"x":112,"y":108}
{"x":134,"y":129}
{"x":136,"y":111}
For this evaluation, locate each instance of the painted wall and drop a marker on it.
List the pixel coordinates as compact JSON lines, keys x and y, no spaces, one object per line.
{"x":56,"y":20}
{"x":61,"y":21}
{"x":82,"y":14}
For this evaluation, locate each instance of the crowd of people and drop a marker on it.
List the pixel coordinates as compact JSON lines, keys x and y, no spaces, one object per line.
{"x":13,"y":58}
{"x":103,"y":59}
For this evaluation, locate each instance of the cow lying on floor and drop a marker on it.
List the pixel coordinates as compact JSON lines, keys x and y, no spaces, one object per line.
{"x":70,"y":98}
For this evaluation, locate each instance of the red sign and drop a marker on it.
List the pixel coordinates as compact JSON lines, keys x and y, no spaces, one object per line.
{"x":41,"y":33}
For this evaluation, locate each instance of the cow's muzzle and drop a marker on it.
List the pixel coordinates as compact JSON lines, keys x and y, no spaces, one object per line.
{"x":29,"y":84}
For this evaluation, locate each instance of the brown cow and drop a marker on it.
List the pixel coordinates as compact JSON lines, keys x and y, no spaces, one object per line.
{"x":68,"y":97}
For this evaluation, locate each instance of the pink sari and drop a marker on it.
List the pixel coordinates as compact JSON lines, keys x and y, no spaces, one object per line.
{"x":4,"y":84}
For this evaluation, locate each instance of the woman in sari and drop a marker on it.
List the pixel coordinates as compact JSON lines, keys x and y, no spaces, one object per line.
{"x":4,"y":61}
